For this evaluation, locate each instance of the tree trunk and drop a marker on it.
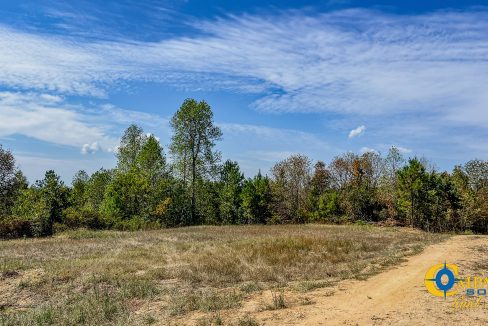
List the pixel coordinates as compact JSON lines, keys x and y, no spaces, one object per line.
{"x":411,"y":208}
{"x":193,"y":195}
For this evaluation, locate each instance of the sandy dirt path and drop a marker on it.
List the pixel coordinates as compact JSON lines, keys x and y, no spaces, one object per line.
{"x":394,"y":297}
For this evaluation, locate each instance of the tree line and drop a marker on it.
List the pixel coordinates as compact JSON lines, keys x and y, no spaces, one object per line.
{"x":145,"y":190}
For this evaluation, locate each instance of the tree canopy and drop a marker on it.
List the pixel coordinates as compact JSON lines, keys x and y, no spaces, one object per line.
{"x":147,"y":190}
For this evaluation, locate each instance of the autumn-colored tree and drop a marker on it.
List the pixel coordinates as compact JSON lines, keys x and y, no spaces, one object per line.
{"x":291,"y":186}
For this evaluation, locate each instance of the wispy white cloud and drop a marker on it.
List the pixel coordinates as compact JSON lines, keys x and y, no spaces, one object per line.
{"x":418,"y":77}
{"x":49,"y":118}
{"x":352,"y":61}
{"x":357,"y":131}
{"x":33,"y":115}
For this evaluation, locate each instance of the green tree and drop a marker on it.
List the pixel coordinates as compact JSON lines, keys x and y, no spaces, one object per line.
{"x":231,"y":182}
{"x":126,"y":196}
{"x":32,"y":206}
{"x":444,"y":204}
{"x":393,"y":162}
{"x":136,"y":195}
{"x":471,"y":182}
{"x":55,"y":196}
{"x":256,"y":200}
{"x":130,"y":146}
{"x":151,"y":164}
{"x":413,"y":187}
{"x":151,"y":160}
{"x":96,"y":188}
{"x":328,"y":207}
{"x":192,"y":146}
{"x":208,"y":205}
{"x":79,"y":188}
{"x":12,"y":181}
{"x":174,"y":208}
{"x":320,"y":183}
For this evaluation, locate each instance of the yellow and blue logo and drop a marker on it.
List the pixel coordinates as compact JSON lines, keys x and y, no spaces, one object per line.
{"x":443,"y":280}
{"x":440,"y":280}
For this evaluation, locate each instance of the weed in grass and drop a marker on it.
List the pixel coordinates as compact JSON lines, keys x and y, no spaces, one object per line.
{"x":182,"y":303}
{"x":278,"y":301}
{"x":215,"y":320}
{"x":247,"y":321}
{"x":250,"y":287}
{"x":204,"y":300}
{"x":212,"y":301}
{"x":137,"y":288}
{"x":203,"y":321}
{"x":89,"y":309}
{"x":12,"y":264}
{"x":305,"y":301}
{"x":306,"y":286}
{"x":150,"y":320}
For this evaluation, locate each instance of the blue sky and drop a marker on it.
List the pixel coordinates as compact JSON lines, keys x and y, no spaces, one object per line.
{"x":314,"y":77}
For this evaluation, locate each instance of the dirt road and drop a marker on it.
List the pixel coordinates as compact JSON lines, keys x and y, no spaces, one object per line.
{"x":395,"y":297}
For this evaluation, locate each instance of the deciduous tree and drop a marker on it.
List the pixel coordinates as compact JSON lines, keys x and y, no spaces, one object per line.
{"x":193,"y":142}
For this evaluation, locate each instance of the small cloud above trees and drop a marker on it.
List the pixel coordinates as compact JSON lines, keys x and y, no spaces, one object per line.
{"x":356,"y":132}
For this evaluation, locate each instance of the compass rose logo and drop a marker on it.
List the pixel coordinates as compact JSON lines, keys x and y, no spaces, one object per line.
{"x":440,"y":279}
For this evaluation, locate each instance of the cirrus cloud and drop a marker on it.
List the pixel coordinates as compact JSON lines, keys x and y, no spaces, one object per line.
{"x":351,"y":61}
{"x":51,"y":119}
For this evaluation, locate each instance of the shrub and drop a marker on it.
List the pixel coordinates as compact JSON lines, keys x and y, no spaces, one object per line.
{"x":31,"y":206}
{"x":135,"y":223}
{"x":85,"y":217}
{"x":15,"y":228}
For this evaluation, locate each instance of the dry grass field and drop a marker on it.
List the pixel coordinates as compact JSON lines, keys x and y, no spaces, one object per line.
{"x":168,"y":276}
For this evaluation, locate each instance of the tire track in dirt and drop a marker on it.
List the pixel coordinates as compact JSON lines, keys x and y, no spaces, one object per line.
{"x":394,"y":297}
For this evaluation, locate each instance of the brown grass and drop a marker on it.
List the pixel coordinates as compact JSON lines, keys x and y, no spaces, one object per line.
{"x":107,"y":277}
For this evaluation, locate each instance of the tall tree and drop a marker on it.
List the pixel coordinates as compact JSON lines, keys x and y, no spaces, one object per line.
{"x":7,"y":169}
{"x":444,"y":204}
{"x":393,"y":162}
{"x":96,"y":187}
{"x":290,"y":185}
{"x":413,"y":186}
{"x":256,"y":200}
{"x":193,"y":142}
{"x":130,"y":146}
{"x":55,"y":195}
{"x":231,"y":180}
{"x":78,"y":189}
{"x":11,"y":181}
{"x":319,"y":184}
{"x":477,"y":171}
{"x":471,"y":182}
{"x":151,"y":160}
{"x":126,"y":196}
